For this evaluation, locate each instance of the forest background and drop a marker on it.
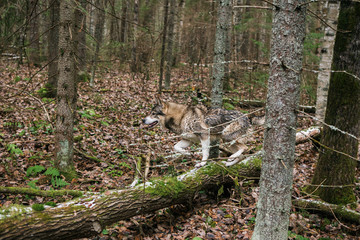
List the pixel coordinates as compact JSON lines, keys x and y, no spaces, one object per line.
{"x":127,"y":52}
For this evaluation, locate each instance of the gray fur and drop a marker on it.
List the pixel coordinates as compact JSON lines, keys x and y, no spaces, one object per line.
{"x":199,"y":124}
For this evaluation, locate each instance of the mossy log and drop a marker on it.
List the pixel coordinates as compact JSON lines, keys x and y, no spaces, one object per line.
{"x":36,"y":192}
{"x":89,"y":214}
{"x":332,"y":210}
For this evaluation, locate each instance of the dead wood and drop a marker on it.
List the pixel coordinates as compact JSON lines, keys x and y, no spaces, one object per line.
{"x":88,"y":215}
{"x":37,"y":192}
{"x":307,"y":134}
{"x":332,"y":210}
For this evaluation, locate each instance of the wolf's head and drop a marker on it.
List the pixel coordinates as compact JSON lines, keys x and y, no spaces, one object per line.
{"x":157,"y":114}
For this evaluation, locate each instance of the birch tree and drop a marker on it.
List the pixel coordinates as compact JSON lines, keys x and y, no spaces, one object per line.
{"x":327,"y":51}
{"x":288,"y":34}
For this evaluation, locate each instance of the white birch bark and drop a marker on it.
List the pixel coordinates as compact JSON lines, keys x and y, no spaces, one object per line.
{"x":327,"y":52}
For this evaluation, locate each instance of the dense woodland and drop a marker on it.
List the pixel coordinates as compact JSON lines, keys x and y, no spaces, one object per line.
{"x":78,"y":76}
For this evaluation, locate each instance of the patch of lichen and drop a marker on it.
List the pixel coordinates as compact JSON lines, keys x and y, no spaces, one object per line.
{"x":12,"y":210}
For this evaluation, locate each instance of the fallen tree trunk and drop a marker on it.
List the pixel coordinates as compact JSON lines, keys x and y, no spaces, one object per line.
{"x":36,"y":192}
{"x":332,"y":210}
{"x":88,"y":215}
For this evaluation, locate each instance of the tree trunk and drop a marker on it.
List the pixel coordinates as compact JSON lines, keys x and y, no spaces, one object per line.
{"x":134,"y":59}
{"x":327,"y":51}
{"x":164,"y":33}
{"x":170,"y":41}
{"x":124,"y":20}
{"x":33,"y":33}
{"x":53,"y":47}
{"x":220,"y":49}
{"x":80,"y":30}
{"x":66,"y":94}
{"x":335,"y":171}
{"x":99,"y":28}
{"x":87,"y":216}
{"x":114,"y":24}
{"x":218,"y":70}
{"x":288,"y":33}
{"x":179,"y":23}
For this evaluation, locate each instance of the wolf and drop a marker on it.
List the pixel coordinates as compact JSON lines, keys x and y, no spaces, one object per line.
{"x":198,"y":124}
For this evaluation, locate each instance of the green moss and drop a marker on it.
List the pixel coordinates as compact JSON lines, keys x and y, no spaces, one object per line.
{"x":38,"y":207}
{"x":51,"y":204}
{"x":168,"y":186}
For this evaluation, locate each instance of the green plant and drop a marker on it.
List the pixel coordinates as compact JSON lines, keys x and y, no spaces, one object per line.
{"x":88,"y":113}
{"x":252,"y":220}
{"x":13,"y":149}
{"x":56,"y":180}
{"x":51,"y":204}
{"x":34,"y":170}
{"x":122,"y":155}
{"x":116,"y":171}
{"x":40,"y":125}
{"x":292,"y":235}
{"x":32,"y":184}
{"x":38,"y":207}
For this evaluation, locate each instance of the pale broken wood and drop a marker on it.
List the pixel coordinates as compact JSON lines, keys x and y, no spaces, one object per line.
{"x":307,"y":134}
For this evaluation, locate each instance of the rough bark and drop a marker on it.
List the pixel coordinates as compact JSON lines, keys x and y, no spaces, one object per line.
{"x":124,"y":20}
{"x":80,"y":30}
{"x":88,"y":215}
{"x":169,"y":45}
{"x":134,"y":61}
{"x":164,"y":34}
{"x":336,"y":164}
{"x":33,"y":33}
{"x":114,"y":24}
{"x":219,"y":66}
{"x":288,"y":33}
{"x":99,"y":28}
{"x":53,"y":47}
{"x":178,"y":32}
{"x":221,"y":39}
{"x":66,"y":93}
{"x":327,"y":51}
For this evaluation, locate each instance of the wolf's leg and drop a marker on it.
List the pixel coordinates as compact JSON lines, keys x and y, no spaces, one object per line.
{"x":180,"y":147}
{"x":205,"y":146}
{"x":238,"y":148}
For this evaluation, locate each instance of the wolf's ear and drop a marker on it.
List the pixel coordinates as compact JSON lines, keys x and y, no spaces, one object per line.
{"x":165,"y":106}
{"x":158,"y":100}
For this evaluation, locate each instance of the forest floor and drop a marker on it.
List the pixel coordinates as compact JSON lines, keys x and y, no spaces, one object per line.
{"x":109,"y":140}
